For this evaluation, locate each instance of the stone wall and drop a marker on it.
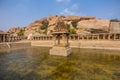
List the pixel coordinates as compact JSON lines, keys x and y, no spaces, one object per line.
{"x":111,"y":45}
{"x":15,"y":45}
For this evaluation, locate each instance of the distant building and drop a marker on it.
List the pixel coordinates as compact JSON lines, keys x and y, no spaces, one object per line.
{"x":114,"y":27}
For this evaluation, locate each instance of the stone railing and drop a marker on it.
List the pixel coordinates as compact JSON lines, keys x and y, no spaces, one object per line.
{"x":101,"y":36}
{"x":16,"y":38}
{"x":13,"y":38}
{"x":44,"y":37}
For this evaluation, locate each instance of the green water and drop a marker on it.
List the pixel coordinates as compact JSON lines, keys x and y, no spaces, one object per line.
{"x":36,"y":64}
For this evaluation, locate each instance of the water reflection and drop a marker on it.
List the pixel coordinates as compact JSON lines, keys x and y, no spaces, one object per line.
{"x":36,"y":64}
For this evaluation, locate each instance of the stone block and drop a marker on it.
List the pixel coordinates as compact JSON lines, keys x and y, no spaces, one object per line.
{"x":60,"y":51}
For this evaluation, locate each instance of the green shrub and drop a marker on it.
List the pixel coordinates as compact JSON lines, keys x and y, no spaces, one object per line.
{"x":45,"y":32}
{"x":74,"y":23}
{"x":21,"y":33}
{"x":72,"y":31}
{"x":45,"y":25}
{"x":67,"y":26}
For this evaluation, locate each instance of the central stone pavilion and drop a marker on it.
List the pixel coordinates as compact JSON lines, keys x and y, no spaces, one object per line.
{"x":61,"y":37}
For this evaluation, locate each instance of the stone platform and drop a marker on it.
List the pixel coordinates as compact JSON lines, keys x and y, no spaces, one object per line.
{"x":60,"y":51}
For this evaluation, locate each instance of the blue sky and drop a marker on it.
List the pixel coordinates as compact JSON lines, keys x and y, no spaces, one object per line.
{"x":14,"y":13}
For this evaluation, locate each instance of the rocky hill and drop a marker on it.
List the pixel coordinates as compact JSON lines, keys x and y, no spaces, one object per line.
{"x":74,"y":24}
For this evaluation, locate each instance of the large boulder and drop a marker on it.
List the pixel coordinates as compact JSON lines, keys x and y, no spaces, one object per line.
{"x":94,"y":24}
{"x":85,"y":24}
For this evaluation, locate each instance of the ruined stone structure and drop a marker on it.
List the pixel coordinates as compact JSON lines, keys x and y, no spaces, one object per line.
{"x":114,"y":27}
{"x":3,"y":36}
{"x":100,"y":36}
{"x":61,"y":45}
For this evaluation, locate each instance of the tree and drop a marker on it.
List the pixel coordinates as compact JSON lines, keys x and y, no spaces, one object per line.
{"x":44,"y":25}
{"x":45,"y":31}
{"x":74,"y":23}
{"x":70,"y":30}
{"x":67,"y":26}
{"x":21,"y":33}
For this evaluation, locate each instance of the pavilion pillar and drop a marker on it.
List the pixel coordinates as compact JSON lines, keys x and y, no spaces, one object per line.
{"x":58,"y":37}
{"x":119,"y":37}
{"x":92,"y":37}
{"x":36,"y":38}
{"x":54,"y":38}
{"x":3,"y":37}
{"x":40,"y":38}
{"x":47,"y":38}
{"x":10,"y":39}
{"x":14,"y":38}
{"x":98,"y":37}
{"x":114,"y":36}
{"x":7,"y":39}
{"x":43,"y":37}
{"x":69,"y":37}
{"x":74,"y":37}
{"x":87,"y":37}
{"x":103,"y":36}
{"x":82,"y":37}
{"x":0,"y":38}
{"x":63,"y":39}
{"x":79,"y":37}
{"x":109,"y":36}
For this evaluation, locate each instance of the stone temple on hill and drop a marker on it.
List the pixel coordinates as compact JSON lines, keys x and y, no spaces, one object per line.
{"x":61,"y":38}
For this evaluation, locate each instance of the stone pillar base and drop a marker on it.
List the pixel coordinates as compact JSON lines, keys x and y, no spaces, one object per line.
{"x":60,"y":51}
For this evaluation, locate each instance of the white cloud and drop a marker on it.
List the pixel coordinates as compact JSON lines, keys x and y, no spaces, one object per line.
{"x":75,"y":6}
{"x":63,"y":0}
{"x":70,"y":11}
{"x":66,"y":11}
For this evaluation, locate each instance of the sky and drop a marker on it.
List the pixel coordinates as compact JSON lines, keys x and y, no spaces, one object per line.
{"x":20,"y":13}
